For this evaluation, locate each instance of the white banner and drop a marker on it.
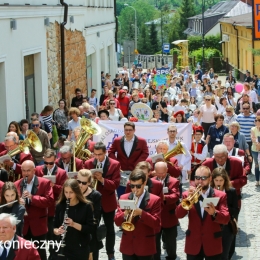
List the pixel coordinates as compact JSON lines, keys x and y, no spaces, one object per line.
{"x":152,"y":132}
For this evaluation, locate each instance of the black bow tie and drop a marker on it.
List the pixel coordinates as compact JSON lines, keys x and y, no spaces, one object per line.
{"x":201,"y":198}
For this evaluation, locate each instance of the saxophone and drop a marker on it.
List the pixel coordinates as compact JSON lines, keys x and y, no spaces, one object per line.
{"x":65,"y":226}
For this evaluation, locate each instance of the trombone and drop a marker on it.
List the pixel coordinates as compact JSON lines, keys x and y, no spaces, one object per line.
{"x":128,"y":225}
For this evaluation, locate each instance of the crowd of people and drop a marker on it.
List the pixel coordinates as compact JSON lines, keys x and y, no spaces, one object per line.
{"x":40,"y":202}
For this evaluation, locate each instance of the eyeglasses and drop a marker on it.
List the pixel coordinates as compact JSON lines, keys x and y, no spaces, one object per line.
{"x":246,"y":108}
{"x":37,"y":125}
{"x":203,"y":178}
{"x":207,"y":99}
{"x":138,"y":186}
{"x":82,"y":182}
{"x":50,"y":163}
{"x":172,"y":131}
{"x":128,"y":130}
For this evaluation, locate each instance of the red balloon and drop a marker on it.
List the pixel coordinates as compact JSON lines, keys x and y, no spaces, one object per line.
{"x":239,"y":87}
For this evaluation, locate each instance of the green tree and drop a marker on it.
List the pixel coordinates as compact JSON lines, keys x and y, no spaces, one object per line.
{"x":186,"y":10}
{"x":119,"y":8}
{"x":174,"y":28}
{"x":153,"y":39}
{"x":143,"y":44}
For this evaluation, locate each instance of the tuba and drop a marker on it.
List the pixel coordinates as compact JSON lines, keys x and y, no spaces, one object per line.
{"x":88,"y":128}
{"x":128,"y":225}
{"x":178,"y":149}
{"x":31,"y":141}
{"x":191,"y":199}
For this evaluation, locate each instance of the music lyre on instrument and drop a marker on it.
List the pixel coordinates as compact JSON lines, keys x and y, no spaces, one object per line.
{"x":128,"y":225}
{"x":95,"y":181}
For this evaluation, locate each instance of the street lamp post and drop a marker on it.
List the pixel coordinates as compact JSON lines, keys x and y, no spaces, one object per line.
{"x":209,"y":3}
{"x":135,"y":26}
{"x":161,"y":27}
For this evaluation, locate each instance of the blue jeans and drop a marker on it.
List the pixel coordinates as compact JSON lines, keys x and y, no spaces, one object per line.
{"x":255,"y":157}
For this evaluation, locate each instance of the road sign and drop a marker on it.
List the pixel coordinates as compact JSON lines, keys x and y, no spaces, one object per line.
{"x":166,"y":47}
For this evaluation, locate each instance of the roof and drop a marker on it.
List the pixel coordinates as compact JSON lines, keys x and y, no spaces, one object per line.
{"x":230,"y":8}
{"x":158,"y":21}
{"x":239,"y":20}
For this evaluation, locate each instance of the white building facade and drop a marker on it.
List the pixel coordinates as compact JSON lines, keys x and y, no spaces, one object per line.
{"x":26,"y":77}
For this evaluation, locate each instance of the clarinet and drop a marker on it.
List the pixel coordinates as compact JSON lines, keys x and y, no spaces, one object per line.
{"x":25,"y":182}
{"x":65,"y":226}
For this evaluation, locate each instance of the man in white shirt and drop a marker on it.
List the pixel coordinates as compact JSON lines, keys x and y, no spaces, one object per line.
{"x":12,"y":246}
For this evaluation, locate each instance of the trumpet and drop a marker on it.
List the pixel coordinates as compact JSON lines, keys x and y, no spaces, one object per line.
{"x":128,"y":225}
{"x":65,"y":226}
{"x":191,"y":199}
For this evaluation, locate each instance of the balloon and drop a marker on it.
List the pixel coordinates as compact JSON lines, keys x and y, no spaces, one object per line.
{"x":227,"y":85}
{"x":239,"y":87}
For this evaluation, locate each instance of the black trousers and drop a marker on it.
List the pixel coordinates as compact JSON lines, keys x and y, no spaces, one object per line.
{"x":250,"y":146}
{"x":169,"y":238}
{"x":135,"y":257}
{"x":40,"y":240}
{"x":111,"y":236}
{"x":201,"y":256}
{"x":227,"y":238}
{"x":206,"y":127}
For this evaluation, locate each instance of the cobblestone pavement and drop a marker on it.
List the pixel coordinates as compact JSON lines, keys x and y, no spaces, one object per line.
{"x":248,"y":238}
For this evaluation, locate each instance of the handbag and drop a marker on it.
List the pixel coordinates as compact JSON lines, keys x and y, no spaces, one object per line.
{"x":233,"y":224}
{"x":101,"y":232}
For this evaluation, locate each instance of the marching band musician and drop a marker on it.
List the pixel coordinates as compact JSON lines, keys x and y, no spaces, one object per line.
{"x":85,"y":180}
{"x":203,"y":237}
{"x":152,"y":185}
{"x":66,"y":161}
{"x":11,"y":142}
{"x":130,"y":150}
{"x":173,"y":168}
{"x":169,"y":220}
{"x":13,"y":246}
{"x":9,"y":193}
{"x":232,"y":165}
{"x":49,"y":168}
{"x":199,"y":151}
{"x":37,"y":196}
{"x":107,"y":183}
{"x":146,"y":219}
{"x":78,"y":220}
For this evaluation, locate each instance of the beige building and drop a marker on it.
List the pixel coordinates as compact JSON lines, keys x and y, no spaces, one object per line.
{"x":237,"y":44}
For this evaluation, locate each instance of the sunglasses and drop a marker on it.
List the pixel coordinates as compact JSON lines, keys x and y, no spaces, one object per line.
{"x":246,"y":108}
{"x":82,"y":182}
{"x":172,"y":131}
{"x":228,"y":111}
{"x":207,"y":99}
{"x":37,"y":125}
{"x":257,"y":120}
{"x":112,"y":103}
{"x":138,"y":186}
{"x":203,"y":178}
{"x":50,"y":163}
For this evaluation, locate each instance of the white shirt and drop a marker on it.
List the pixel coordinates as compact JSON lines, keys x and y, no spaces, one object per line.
{"x":66,"y":166}
{"x":140,"y":199}
{"x":103,"y":163}
{"x":224,"y":166}
{"x":8,"y":246}
{"x":50,"y":170}
{"x":204,"y":195}
{"x":29,"y":185}
{"x":201,"y":156}
{"x":128,"y":145}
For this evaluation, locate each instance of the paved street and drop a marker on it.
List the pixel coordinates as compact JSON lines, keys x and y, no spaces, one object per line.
{"x":248,"y":238}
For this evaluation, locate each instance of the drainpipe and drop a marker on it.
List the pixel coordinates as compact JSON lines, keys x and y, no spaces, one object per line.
{"x":62,"y":44}
{"x":116,"y":26}
{"x":234,"y":26}
{"x":253,"y":56}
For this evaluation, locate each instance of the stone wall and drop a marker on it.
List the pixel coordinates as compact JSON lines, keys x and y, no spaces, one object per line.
{"x":75,"y":63}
